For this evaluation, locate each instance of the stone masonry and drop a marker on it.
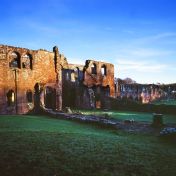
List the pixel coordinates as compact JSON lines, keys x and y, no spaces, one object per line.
{"x":31,"y":79}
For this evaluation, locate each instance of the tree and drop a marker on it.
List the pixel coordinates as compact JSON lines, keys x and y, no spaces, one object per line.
{"x":129,"y":81}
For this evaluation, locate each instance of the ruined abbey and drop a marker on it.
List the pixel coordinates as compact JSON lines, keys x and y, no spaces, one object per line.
{"x":34,"y":79}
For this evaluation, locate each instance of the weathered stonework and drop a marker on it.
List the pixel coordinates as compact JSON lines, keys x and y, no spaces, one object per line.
{"x":37,"y":78}
{"x":144,"y":93}
{"x":98,"y":78}
{"x":86,"y":86}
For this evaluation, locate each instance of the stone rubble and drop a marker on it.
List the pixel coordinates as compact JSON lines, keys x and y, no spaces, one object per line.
{"x":132,"y":127}
{"x":168,"y":131}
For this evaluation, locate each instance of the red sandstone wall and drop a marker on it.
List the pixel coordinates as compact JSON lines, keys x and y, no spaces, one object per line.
{"x":43,"y":71}
{"x":99,"y":79}
{"x":47,"y":71}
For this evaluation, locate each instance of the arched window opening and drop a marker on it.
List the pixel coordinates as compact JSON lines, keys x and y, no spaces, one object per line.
{"x":73,"y":77}
{"x":10,"y":98}
{"x":76,"y":70}
{"x":50,"y":98}
{"x":29,"y":96}
{"x":37,"y":91}
{"x":37,"y":88}
{"x":93,"y":69}
{"x":105,"y":91}
{"x":15,"y":60}
{"x":27,"y":61}
{"x":103,"y":70}
{"x":67,"y":76}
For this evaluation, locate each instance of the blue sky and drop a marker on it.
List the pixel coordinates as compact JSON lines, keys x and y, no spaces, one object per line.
{"x":137,"y":36}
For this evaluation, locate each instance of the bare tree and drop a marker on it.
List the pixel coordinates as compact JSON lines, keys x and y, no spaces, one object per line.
{"x":129,"y":81}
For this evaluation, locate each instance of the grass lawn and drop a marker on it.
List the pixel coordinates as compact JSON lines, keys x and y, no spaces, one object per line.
{"x":137,"y":116}
{"x":39,"y":145}
{"x":166,"y":102}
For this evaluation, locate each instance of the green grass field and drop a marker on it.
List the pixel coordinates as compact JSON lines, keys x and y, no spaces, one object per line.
{"x":39,"y":145}
{"x":123,"y":115}
{"x":165,"y":102}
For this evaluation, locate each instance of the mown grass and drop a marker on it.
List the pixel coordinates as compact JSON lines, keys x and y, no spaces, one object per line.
{"x":165,"y":102}
{"x":123,"y":115}
{"x":39,"y":145}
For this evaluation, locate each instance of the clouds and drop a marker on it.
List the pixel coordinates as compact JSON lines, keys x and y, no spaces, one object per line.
{"x":144,"y":59}
{"x":140,"y":66}
{"x":76,"y":61}
{"x":147,"y":64}
{"x":145,"y":53}
{"x":145,"y":71}
{"x":156,"y":38}
{"x":147,"y":57}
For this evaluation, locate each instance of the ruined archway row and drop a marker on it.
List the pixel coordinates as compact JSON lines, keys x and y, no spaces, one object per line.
{"x":39,"y":78}
{"x":20,"y":61}
{"x":21,"y":69}
{"x":99,"y":74}
{"x":96,"y":68}
{"x":17,"y":57}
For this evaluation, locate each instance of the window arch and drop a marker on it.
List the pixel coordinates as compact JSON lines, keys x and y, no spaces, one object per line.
{"x":103,"y":70}
{"x":37,"y":88}
{"x":15,"y":60}
{"x":76,"y":71}
{"x":93,"y":69}
{"x":29,"y":96}
{"x":27,"y":61}
{"x":73,"y":79}
{"x":67,"y":76}
{"x":50,"y":97}
{"x":10,"y":98}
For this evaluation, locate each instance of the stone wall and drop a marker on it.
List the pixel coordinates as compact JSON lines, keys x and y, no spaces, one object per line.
{"x":99,"y":74}
{"x":89,"y":86}
{"x":42,"y":71}
{"x":31,"y":79}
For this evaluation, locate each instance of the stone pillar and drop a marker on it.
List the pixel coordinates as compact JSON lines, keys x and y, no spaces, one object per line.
{"x":58,"y":70}
{"x":157,"y":120}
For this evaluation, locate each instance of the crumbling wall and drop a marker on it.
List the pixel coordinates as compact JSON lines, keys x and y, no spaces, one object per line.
{"x":33,"y":78}
{"x":43,"y":71}
{"x":98,"y":78}
{"x":89,"y":86}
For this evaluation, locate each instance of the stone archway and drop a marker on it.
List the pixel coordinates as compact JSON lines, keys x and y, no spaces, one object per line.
{"x":50,"y":98}
{"x":104,"y":98}
{"x":37,"y":91}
